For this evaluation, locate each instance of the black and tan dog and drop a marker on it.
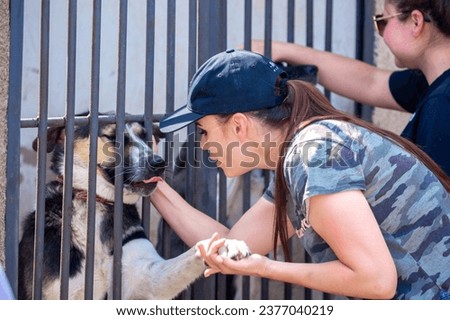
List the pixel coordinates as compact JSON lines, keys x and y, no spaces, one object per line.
{"x":145,"y":275}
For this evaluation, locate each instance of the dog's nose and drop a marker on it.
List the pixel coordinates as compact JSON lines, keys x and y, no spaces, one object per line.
{"x":158,"y":164}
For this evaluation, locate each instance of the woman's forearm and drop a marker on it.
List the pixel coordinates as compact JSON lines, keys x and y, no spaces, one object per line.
{"x":190,"y":224}
{"x":333,"y":277}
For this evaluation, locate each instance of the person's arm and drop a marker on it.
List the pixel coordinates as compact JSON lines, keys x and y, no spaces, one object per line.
{"x":364,"y":268}
{"x":190,"y":224}
{"x":345,"y":76}
{"x":255,"y":227}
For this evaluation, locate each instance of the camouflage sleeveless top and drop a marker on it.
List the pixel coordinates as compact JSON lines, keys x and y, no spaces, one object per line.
{"x":411,"y":206}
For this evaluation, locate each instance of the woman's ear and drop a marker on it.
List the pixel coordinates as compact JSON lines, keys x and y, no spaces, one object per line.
{"x":419,"y":22}
{"x":239,"y":124}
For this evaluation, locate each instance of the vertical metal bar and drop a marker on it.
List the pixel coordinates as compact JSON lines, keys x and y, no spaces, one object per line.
{"x":268,"y":28}
{"x":223,"y":26}
{"x":170,"y":70}
{"x":212,"y":29}
{"x":358,"y":47}
{"x":68,"y":153}
{"x":170,"y":98}
{"x":148,"y":100}
{"x":247,"y":24}
{"x":309,"y":23}
{"x":222,"y":218}
{"x":264,"y":289}
{"x":245,"y":283}
{"x":119,"y":165}
{"x":211,"y":32}
{"x":328,"y":33}
{"x":245,"y":207}
{"x":192,"y":66}
{"x":268,"y":22}
{"x":291,"y":21}
{"x":192,"y":45}
{"x":328,"y":25}
{"x":309,"y":43}
{"x":364,"y":47}
{"x":42,"y":152}
{"x":191,"y":132}
{"x":221,"y":283}
{"x":93,"y":134}
{"x":170,"y":84}
{"x":13,"y":146}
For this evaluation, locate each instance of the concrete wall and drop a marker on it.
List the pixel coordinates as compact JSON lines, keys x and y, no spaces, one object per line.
{"x":4,"y":68}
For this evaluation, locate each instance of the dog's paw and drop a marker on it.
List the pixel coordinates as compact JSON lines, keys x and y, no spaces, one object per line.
{"x":234,"y":249}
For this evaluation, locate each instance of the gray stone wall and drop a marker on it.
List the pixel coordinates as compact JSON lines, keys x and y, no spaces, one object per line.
{"x":4,"y":68}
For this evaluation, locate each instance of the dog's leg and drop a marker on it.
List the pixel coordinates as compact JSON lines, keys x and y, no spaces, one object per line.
{"x":146,"y":275}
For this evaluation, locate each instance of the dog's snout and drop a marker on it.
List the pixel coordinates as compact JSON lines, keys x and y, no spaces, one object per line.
{"x":158,"y":164}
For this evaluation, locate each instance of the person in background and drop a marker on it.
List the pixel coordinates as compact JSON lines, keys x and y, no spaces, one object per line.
{"x":370,"y":208}
{"x":418,"y":34}
{"x":6,"y":292}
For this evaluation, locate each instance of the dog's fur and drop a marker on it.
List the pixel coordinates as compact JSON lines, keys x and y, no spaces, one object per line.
{"x":145,"y":275}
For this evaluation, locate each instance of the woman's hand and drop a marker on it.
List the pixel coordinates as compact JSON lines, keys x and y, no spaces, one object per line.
{"x":210,"y":250}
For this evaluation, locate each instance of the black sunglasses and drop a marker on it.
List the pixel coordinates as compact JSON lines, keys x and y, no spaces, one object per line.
{"x":380,"y":22}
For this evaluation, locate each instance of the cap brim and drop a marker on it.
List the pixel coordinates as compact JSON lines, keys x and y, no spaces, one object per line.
{"x":178,"y":120}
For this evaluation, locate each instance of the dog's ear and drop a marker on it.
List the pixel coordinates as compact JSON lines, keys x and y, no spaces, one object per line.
{"x":54,"y":136}
{"x":157,"y":133}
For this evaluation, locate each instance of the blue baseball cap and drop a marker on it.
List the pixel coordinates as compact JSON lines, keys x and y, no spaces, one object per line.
{"x":229,"y":82}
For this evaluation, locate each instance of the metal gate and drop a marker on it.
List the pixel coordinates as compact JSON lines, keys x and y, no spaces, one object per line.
{"x":208,"y":32}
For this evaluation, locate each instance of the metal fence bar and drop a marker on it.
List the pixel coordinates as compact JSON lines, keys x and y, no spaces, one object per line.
{"x":291,"y":21}
{"x":148,"y":101}
{"x":309,"y":23}
{"x":119,"y":165}
{"x":309,"y":43}
{"x":328,"y":33}
{"x":13,"y":146}
{"x":192,"y":67}
{"x":93,"y":143}
{"x":192,"y":45}
{"x":328,"y":47}
{"x":170,"y":98}
{"x":221,"y":289}
{"x":170,"y":88}
{"x":68,"y":153}
{"x":245,"y":283}
{"x":268,"y":28}
{"x":42,"y":152}
{"x":364,"y":46}
{"x":211,"y":40}
{"x":247,"y":24}
{"x":329,"y":25}
{"x":191,"y":130}
{"x":170,"y":65}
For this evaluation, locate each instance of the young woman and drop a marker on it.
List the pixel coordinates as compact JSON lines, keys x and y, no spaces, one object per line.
{"x":371,"y":209}
{"x":418,"y":34}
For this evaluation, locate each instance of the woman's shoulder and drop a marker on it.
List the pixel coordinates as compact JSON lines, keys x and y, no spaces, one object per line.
{"x":330,"y":130}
